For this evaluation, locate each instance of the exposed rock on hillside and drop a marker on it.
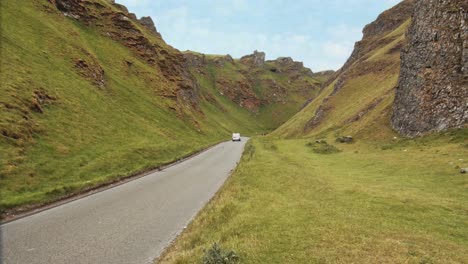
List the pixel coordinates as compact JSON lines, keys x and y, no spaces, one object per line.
{"x":195,"y":61}
{"x":257,"y":59}
{"x":123,"y":27}
{"x":240,"y":92}
{"x":102,"y":83}
{"x":360,"y":94}
{"x":71,"y":8}
{"x":40,"y":99}
{"x":318,"y":116}
{"x":221,"y":60}
{"x":287,"y":64}
{"x":249,"y":82}
{"x":432,"y":93}
{"x":91,"y":70}
{"x":385,"y":23}
{"x":359,"y":65}
{"x":390,"y":19}
{"x":255,"y":84}
{"x":149,"y":24}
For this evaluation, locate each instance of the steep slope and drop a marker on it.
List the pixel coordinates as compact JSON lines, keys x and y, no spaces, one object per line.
{"x":272,"y":91}
{"x":432,"y":93}
{"x":90,"y":94}
{"x":359,"y":97}
{"x":79,"y":108}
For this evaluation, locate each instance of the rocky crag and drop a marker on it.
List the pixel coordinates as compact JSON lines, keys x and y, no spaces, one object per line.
{"x":115,"y":21}
{"x":359,"y":96}
{"x":257,"y":59}
{"x":257,"y":84}
{"x":373,"y":36}
{"x":408,"y":74}
{"x":432,"y":93}
{"x":376,"y":35}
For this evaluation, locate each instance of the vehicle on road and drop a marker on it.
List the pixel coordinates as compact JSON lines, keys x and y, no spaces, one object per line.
{"x":236,"y":137}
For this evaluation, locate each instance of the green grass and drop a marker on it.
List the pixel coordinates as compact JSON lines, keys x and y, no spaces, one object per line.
{"x":369,"y":80}
{"x":322,"y":147}
{"x":294,"y":127}
{"x":86,"y":135}
{"x":382,"y":199}
{"x":268,"y":116}
{"x":402,"y":203}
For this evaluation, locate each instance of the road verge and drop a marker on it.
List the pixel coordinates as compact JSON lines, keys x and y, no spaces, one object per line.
{"x":16,"y":213}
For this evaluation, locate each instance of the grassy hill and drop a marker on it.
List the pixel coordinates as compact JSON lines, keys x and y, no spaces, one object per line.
{"x":272,"y":92}
{"x":90,"y":95}
{"x":300,"y":195}
{"x":359,"y":98}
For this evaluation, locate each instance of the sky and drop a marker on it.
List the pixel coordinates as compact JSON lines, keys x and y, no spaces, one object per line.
{"x":320,"y":33}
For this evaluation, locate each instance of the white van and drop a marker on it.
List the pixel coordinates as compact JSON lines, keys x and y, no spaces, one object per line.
{"x":236,"y":137}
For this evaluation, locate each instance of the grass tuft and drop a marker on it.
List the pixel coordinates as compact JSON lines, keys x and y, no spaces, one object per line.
{"x":322,"y":147}
{"x":217,"y":255}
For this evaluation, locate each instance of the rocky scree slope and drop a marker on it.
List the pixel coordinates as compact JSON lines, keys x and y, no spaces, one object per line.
{"x":91,"y":94}
{"x":432,"y":93}
{"x":358,"y":98}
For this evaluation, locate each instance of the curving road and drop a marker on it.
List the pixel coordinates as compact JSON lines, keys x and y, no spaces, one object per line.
{"x":130,"y":223}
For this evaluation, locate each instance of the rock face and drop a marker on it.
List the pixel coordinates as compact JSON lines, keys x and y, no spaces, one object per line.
{"x":220,"y":61}
{"x":376,"y":35}
{"x":390,"y":19}
{"x":257,"y":59}
{"x":92,"y":71}
{"x":287,"y":64}
{"x":256,"y":87}
{"x":240,"y":92}
{"x":432,"y":92}
{"x":195,"y":61}
{"x":122,"y":27}
{"x":385,"y":23}
{"x":149,"y":24}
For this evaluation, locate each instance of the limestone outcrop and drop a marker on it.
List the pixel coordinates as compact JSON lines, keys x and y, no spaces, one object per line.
{"x":432,"y":92}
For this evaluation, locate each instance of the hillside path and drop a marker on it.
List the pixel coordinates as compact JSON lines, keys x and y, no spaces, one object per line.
{"x":130,"y":223}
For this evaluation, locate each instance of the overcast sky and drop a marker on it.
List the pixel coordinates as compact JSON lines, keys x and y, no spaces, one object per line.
{"x":319,"y":33}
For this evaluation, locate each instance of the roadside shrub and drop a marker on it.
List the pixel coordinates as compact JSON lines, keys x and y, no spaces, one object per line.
{"x":249,"y":151}
{"x":217,"y":255}
{"x":386,"y":147}
{"x":322,"y":147}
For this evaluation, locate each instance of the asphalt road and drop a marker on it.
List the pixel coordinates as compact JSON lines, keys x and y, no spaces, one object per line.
{"x":130,"y":223}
